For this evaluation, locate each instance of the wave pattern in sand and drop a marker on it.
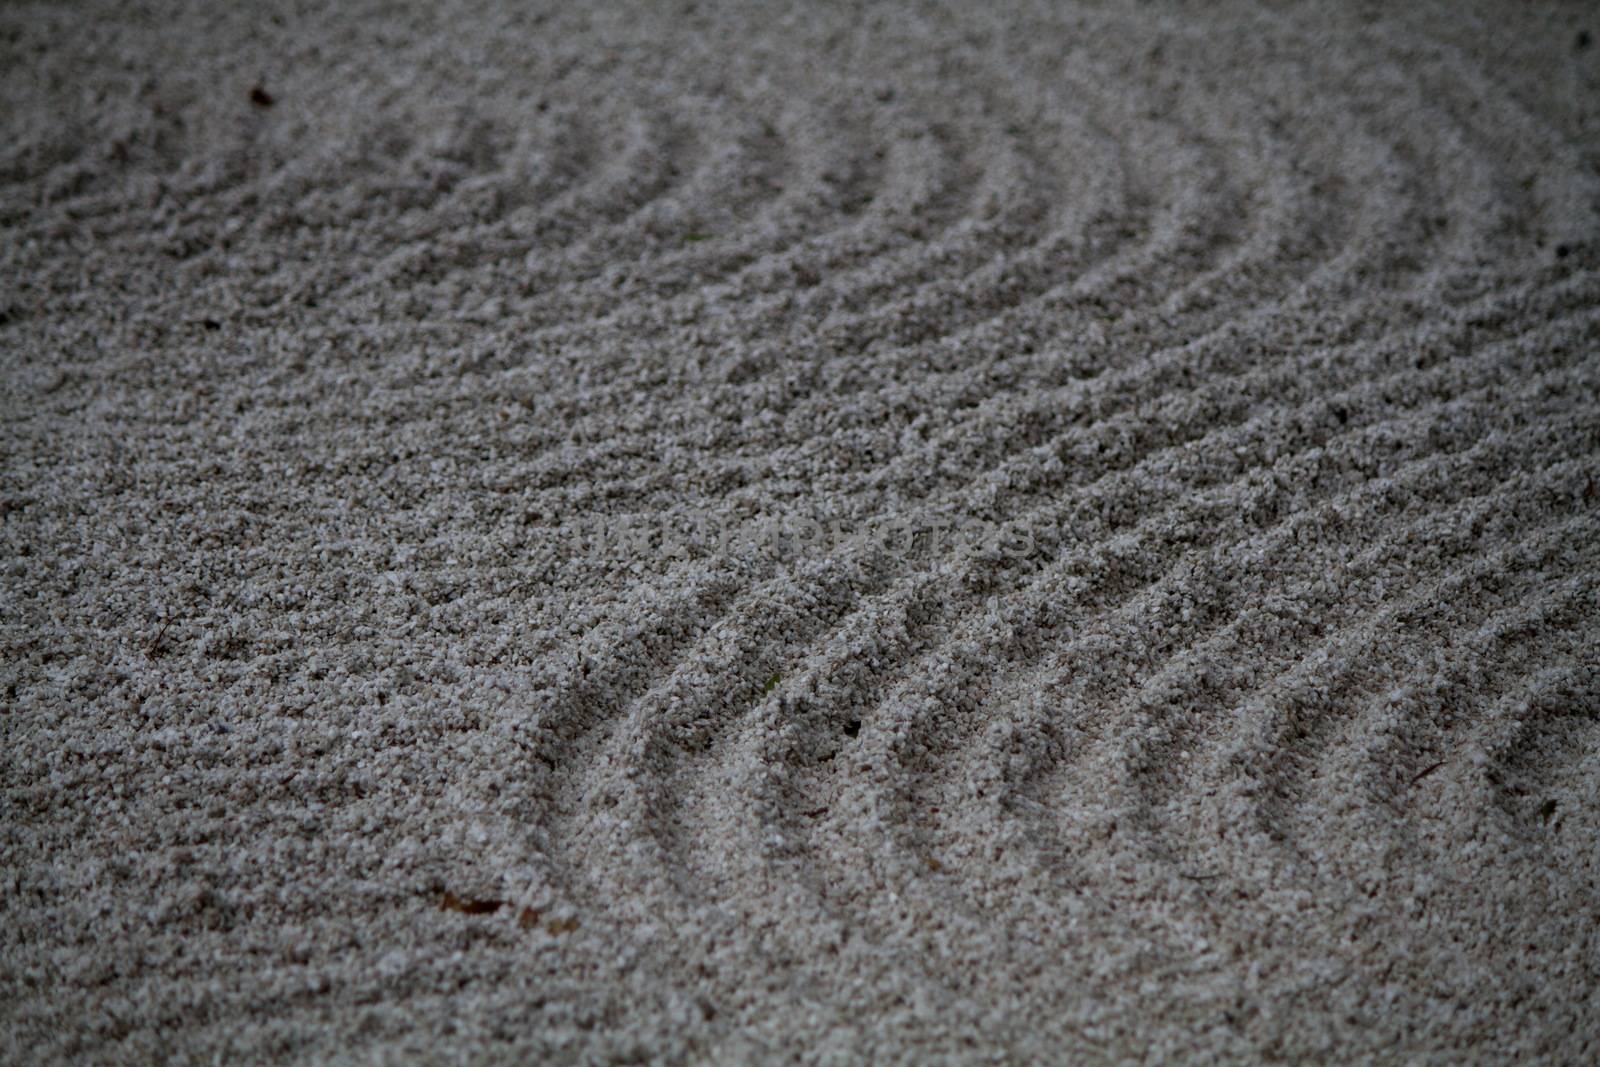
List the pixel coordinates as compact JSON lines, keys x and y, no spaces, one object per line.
{"x":380,"y":455}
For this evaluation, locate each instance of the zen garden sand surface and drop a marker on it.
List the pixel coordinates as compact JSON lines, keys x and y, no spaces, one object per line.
{"x":756,"y":532}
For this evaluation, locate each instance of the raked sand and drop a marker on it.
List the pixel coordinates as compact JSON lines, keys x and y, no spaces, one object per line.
{"x":747,"y":533}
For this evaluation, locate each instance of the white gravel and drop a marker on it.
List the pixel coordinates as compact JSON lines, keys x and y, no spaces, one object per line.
{"x":711,"y":532}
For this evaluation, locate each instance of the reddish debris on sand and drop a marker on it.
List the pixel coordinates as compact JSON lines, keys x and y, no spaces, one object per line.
{"x":451,"y":902}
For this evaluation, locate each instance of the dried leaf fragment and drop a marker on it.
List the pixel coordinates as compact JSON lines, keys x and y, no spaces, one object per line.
{"x":469,"y":906}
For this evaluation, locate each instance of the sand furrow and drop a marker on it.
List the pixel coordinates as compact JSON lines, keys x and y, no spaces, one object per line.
{"x":809,"y":691}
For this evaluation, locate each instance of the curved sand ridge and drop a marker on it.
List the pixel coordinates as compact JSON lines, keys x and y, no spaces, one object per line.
{"x":393,"y":474}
